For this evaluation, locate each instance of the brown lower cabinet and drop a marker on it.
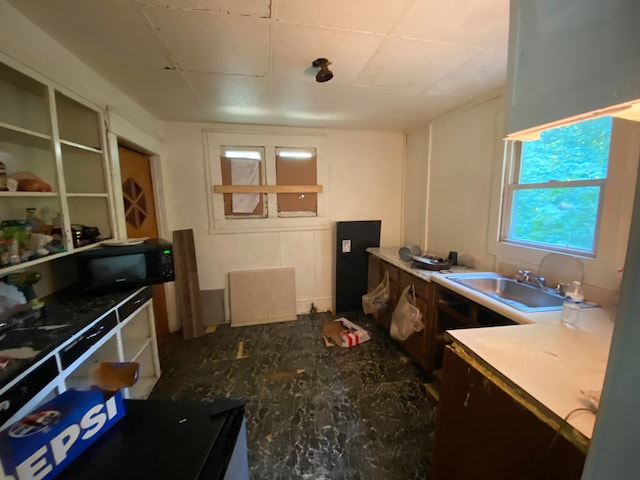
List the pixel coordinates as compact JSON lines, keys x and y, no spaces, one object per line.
{"x":417,"y":345}
{"x":483,"y":433}
{"x":442,"y":309}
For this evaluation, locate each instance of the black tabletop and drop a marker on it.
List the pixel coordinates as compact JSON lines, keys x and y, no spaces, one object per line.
{"x":64,"y":314}
{"x":161,"y":439}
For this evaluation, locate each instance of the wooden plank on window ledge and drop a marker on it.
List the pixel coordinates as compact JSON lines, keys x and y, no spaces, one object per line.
{"x":267,"y":189}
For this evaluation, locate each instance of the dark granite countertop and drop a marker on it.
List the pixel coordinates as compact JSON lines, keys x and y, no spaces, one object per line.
{"x":64,"y":314}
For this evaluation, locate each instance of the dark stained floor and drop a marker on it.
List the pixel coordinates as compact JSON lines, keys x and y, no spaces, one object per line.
{"x":313,"y":411}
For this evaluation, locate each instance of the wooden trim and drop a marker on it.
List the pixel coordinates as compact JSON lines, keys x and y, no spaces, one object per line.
{"x":267,"y":188}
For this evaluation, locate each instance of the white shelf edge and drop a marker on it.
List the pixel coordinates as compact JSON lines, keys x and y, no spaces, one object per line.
{"x":80,"y":146}
{"x":29,"y":194}
{"x":31,"y":263}
{"x":87,"y":195}
{"x":25,"y":131}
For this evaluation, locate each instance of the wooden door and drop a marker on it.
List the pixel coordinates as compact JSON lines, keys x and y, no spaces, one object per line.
{"x":140,"y":215}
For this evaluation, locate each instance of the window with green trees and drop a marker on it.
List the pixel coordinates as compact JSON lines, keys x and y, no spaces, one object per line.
{"x":555,"y":188}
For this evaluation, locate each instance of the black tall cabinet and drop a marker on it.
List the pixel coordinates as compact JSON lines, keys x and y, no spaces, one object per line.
{"x":352,"y":240}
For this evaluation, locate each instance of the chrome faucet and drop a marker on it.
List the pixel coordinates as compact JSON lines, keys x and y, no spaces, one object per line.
{"x":526,"y":276}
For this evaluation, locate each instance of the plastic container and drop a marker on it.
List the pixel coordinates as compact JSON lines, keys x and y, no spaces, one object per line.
{"x":571,"y":306}
{"x":575,"y":292}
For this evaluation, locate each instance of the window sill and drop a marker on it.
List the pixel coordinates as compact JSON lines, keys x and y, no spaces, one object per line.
{"x":269,"y":225}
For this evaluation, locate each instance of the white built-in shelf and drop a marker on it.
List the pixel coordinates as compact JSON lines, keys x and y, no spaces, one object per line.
{"x":80,"y":146}
{"x":30,"y":194}
{"x":88,"y":195}
{"x":10,"y":132}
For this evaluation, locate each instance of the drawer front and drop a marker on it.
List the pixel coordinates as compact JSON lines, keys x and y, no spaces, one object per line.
{"x":134,"y":303}
{"x":74,"y":350}
{"x":394,"y":272}
{"x":13,"y":399}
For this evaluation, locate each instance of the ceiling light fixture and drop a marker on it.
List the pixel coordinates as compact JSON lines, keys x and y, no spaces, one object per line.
{"x":324,"y":74}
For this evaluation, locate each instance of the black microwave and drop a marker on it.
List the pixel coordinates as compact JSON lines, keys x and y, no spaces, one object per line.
{"x":124,"y":266}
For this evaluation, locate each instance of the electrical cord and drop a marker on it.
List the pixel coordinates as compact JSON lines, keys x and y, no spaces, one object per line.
{"x":565,"y":420}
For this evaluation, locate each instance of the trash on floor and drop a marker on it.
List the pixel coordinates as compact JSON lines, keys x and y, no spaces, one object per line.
{"x":241,"y":351}
{"x":345,"y":333}
{"x":285,"y":375}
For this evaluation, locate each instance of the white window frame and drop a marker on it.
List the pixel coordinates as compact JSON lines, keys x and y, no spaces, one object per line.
{"x":602,"y":271}
{"x":513,"y":151}
{"x":219,"y":224}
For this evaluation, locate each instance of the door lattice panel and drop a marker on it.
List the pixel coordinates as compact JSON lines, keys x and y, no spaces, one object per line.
{"x":135,"y":203}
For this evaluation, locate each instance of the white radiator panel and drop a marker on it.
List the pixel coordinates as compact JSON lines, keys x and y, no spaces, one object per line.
{"x":262,"y":296}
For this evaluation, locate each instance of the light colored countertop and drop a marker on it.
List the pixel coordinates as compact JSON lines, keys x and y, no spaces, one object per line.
{"x":549,"y":361}
{"x":390,"y":254}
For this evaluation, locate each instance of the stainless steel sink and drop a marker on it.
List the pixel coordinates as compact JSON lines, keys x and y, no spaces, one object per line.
{"x":510,"y":292}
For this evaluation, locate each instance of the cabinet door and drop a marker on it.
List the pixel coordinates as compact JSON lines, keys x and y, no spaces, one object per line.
{"x":483,"y":433}
{"x":384,"y":317}
{"x":415,"y":344}
{"x":373,"y":277}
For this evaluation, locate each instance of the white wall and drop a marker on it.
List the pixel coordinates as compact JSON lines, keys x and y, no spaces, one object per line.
{"x":364,"y":183}
{"x":416,"y":186}
{"x":463,"y":201}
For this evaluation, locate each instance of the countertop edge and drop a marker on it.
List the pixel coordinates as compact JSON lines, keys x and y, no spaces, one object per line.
{"x":523,"y":397}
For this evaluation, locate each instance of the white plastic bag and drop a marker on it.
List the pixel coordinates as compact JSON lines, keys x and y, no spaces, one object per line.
{"x":377,"y":299}
{"x":406,"y":318}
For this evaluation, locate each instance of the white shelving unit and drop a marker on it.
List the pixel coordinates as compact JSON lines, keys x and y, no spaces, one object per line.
{"x":131,"y":338}
{"x":61,"y":141}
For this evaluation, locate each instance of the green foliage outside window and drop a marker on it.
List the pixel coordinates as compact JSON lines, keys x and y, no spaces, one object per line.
{"x":553,"y":212}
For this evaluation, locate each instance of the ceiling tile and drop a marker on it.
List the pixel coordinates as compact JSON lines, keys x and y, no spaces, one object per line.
{"x":214,"y":90}
{"x":484,"y":72}
{"x":254,"y":8}
{"x":249,"y":100}
{"x":472,"y":23}
{"x":296,"y":47}
{"x":412,"y":64}
{"x":396,"y":63}
{"x":135,"y":45}
{"x":365,"y":15}
{"x":214,"y":43}
{"x":180,"y":104}
{"x":429,"y":105}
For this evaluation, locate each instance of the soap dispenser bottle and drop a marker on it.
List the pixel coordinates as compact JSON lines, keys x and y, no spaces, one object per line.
{"x":575,"y":292}
{"x":571,"y":305}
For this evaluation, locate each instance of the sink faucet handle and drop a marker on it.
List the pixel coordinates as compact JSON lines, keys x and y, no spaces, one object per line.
{"x":527,"y":277}
{"x":561,"y":288}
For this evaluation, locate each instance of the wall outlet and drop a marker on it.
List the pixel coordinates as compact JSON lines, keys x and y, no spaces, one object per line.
{"x":346,"y":246}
